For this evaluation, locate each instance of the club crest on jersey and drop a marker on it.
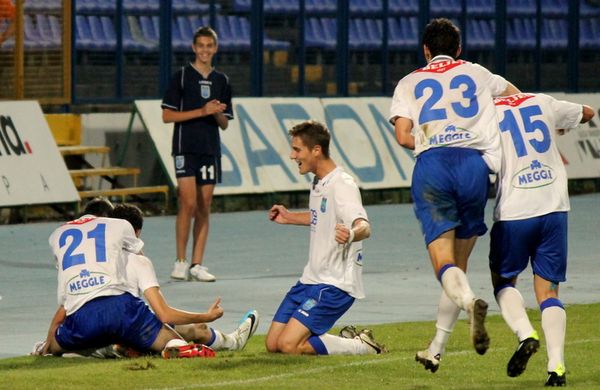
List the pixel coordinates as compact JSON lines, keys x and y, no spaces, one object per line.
{"x":205,"y":91}
{"x":451,"y":135}
{"x":323,"y":205}
{"x":359,"y":259}
{"x":534,"y":175}
{"x":179,"y":162}
{"x":86,"y":282}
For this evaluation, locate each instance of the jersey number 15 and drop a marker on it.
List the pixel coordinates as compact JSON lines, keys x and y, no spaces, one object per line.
{"x":530,"y":125}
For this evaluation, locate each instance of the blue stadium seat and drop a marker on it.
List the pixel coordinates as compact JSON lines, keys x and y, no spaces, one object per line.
{"x":481,"y":7}
{"x":149,"y":33}
{"x":242,"y":5}
{"x":410,"y":30}
{"x":268,"y":43}
{"x":365,"y":7}
{"x":95,"y":6}
{"x":56,"y":28}
{"x":480,"y":34}
{"x":318,"y":6}
{"x":555,"y":7}
{"x":357,"y":35}
{"x":42,"y":6}
{"x":190,"y":6}
{"x":318,"y":35}
{"x":88,"y":38}
{"x":445,"y":8}
{"x":281,"y":7}
{"x":98,"y":34}
{"x":185,"y":29}
{"x":589,"y":33}
{"x":554,"y":34}
{"x":133,"y":39}
{"x":520,"y":7}
{"x":226,"y":39}
{"x":403,"y":7}
{"x":50,"y":40}
{"x":141,"y":6}
{"x":521,"y":34}
{"x":586,"y":9}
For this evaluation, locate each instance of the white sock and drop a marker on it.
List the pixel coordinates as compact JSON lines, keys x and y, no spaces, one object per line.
{"x":222,"y":341}
{"x":554,"y":323}
{"x":455,"y":284}
{"x":512,"y":306}
{"x":446,"y":319}
{"x":336,"y":345}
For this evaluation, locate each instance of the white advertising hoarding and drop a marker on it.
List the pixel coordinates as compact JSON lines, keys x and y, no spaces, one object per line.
{"x":256,"y":146}
{"x":32,"y":171}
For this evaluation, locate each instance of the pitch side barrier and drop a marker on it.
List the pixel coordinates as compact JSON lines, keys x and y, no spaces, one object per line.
{"x":256,"y":145}
{"x":32,"y":171}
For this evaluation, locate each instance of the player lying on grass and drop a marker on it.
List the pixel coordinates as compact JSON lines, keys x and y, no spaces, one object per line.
{"x":332,"y":279}
{"x":96,"y":308}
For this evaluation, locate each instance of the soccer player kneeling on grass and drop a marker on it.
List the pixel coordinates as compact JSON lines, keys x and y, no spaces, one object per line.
{"x":332,"y":279}
{"x":95,"y":307}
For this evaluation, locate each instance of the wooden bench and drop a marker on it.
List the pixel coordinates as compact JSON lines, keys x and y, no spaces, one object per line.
{"x":124,"y":192}
{"x":78,"y":150}
{"x":105,"y":172}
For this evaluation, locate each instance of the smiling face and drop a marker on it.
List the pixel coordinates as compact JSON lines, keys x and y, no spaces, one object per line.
{"x":204,"y":48}
{"x":303,"y":156}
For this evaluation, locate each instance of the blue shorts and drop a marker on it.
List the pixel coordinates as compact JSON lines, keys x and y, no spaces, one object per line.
{"x":121,"y":319}
{"x":316,"y":306}
{"x":206,"y":169}
{"x":450,"y":189}
{"x":542,"y":239}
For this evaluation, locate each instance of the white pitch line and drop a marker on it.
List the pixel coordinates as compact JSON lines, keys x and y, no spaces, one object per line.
{"x":337,"y":366}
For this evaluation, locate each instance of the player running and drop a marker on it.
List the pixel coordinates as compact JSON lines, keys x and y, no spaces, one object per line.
{"x":445,"y":112}
{"x":530,"y":217}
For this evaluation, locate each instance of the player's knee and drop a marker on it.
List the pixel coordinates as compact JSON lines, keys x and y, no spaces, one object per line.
{"x":287,"y":347}
{"x":187,"y":206}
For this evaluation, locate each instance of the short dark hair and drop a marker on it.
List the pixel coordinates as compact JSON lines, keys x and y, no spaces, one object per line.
{"x":100,"y":207}
{"x":130,"y":213}
{"x":206,"y":31}
{"x":441,"y":36}
{"x":313,"y":133}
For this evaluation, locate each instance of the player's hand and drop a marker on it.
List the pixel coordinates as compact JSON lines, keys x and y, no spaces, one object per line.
{"x":215,"y":310}
{"x":278,"y":213}
{"x":342,"y":234}
{"x":213,"y":107}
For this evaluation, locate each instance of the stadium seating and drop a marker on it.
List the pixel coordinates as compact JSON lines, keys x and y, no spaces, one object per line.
{"x":42,"y":6}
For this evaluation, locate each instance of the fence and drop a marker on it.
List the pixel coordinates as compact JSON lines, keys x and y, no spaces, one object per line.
{"x":127,"y":49}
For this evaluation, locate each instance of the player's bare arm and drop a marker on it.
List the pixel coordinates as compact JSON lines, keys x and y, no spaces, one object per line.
{"x":588,"y":114}
{"x":210,"y":108}
{"x":510,"y":90}
{"x":361,"y":229}
{"x":280,"y":214}
{"x":222,"y":120}
{"x":403,"y":128}
{"x":59,"y":317}
{"x":171,"y":315}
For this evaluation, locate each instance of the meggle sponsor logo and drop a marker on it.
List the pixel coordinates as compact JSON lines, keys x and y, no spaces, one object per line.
{"x":86,"y":282}
{"x":10,"y":141}
{"x":451,"y":135}
{"x":534,"y":175}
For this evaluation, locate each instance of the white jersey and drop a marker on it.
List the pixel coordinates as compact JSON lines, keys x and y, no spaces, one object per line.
{"x":450,"y":104}
{"x":335,"y":199}
{"x":90,"y":259}
{"x":140,"y":275}
{"x":533,"y":179}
